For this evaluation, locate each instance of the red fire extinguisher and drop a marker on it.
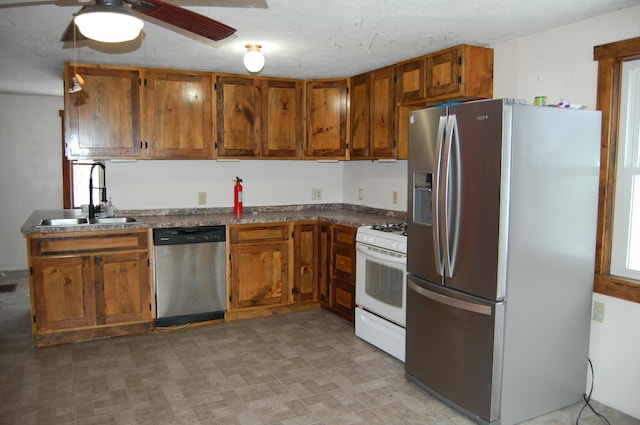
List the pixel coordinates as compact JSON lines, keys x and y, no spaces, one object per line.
{"x":237,"y":197}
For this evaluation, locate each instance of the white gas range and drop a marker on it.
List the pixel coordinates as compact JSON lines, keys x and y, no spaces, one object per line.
{"x":381,"y":269}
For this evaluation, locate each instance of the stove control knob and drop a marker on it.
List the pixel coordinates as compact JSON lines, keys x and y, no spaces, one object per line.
{"x":402,"y":247}
{"x":395,"y":245}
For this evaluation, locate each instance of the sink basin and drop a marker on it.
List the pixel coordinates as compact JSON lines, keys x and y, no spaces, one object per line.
{"x":113,"y":220}
{"x":63,"y":221}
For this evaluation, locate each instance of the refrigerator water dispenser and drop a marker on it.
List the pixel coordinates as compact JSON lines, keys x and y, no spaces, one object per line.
{"x":422,"y":198}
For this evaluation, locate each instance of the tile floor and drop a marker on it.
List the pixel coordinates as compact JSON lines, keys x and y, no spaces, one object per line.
{"x":299,"y":368}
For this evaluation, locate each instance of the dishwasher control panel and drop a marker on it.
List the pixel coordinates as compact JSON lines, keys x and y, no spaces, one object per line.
{"x":188,"y":235}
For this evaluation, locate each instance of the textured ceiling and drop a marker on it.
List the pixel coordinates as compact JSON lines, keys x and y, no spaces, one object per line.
{"x":301,"y":39}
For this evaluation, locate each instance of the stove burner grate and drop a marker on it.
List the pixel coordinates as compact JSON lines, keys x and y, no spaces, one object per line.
{"x":391,"y":227}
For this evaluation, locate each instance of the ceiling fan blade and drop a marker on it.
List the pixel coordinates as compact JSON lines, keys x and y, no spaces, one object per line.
{"x":182,"y":18}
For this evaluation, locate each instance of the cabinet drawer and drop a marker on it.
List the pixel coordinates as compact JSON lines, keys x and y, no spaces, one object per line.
{"x":344,"y":235}
{"x":262,"y":233}
{"x":58,"y":244}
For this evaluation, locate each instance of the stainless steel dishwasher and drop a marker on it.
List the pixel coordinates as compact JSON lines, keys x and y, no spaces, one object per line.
{"x":190,"y":272}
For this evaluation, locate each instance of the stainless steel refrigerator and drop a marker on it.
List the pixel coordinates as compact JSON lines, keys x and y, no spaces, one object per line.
{"x":501,"y":242}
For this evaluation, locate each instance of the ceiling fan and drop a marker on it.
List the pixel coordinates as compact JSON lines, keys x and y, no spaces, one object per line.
{"x":176,"y":16}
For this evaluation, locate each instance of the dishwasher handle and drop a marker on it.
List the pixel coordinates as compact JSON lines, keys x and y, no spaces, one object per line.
{"x":189,"y":235}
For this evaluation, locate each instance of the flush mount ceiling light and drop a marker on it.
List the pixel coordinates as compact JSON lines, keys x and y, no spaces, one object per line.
{"x":253,"y":59}
{"x":108,"y":21}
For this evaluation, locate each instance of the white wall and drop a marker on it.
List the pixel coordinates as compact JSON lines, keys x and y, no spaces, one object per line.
{"x":559,"y":64}
{"x":30,"y":166}
{"x":378,"y":181}
{"x":175,"y":184}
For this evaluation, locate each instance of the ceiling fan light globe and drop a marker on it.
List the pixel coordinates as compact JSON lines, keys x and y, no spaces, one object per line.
{"x":253,"y":59}
{"x":109,"y":27}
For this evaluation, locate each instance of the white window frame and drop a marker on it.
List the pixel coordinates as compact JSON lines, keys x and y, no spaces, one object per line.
{"x":625,"y":253}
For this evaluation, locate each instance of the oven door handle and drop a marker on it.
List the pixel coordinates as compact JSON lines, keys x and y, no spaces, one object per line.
{"x":379,"y":256}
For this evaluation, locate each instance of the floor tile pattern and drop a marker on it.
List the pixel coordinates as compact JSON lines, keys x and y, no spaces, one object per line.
{"x":298,"y":368}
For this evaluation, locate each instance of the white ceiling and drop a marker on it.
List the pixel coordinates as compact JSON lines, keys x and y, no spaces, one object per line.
{"x":301,"y":39}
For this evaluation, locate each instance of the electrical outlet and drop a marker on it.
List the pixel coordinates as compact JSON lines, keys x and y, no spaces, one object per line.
{"x":316,"y":194}
{"x":202,"y":198}
{"x":598,"y":312}
{"x":360,"y":194}
{"x":395,"y":197}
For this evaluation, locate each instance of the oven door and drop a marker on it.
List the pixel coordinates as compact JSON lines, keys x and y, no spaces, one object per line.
{"x":381,"y":282}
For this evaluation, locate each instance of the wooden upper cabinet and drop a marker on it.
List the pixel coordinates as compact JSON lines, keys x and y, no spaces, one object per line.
{"x":326,"y":113}
{"x":411,"y":80}
{"x":178,"y":114}
{"x":460,"y":73}
{"x":281,"y":118}
{"x":238,"y":116}
{"x":102,"y":120}
{"x":360,"y":116}
{"x":373,"y":114}
{"x":383,"y":113}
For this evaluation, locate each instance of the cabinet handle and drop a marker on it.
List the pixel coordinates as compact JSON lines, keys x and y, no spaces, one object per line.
{"x":98,"y":260}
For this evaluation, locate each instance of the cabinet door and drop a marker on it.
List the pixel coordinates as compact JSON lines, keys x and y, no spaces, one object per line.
{"x":324,"y":258}
{"x":343,"y":299}
{"x":343,"y":279}
{"x":63,"y":294}
{"x":360,"y":113}
{"x":102,"y":120}
{"x":122,"y":288}
{"x":259,"y":274}
{"x":306,"y":247}
{"x":238,"y":117}
{"x":344,"y":253}
{"x":281,"y":118}
{"x":326,"y":128}
{"x":178,"y":114}
{"x":411,"y":80}
{"x":443,"y":73}
{"x":383,"y":113}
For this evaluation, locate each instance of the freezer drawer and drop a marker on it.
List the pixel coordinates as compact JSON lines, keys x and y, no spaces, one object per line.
{"x":463,"y":336}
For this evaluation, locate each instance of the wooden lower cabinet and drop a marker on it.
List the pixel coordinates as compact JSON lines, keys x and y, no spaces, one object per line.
{"x":89,"y":285}
{"x":306,"y":262}
{"x":340,"y":293}
{"x":286,"y":267}
{"x":259,"y":261}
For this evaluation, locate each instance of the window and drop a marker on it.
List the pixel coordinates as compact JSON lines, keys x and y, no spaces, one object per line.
{"x":80,"y":193}
{"x":625,"y":253}
{"x":617,"y":260}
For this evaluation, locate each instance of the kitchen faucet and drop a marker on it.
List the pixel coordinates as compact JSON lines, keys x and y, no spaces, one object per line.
{"x":103,"y":189}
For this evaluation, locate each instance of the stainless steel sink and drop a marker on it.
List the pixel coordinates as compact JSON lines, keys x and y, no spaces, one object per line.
{"x":63,"y":221}
{"x":113,"y":220}
{"x":83,"y":221}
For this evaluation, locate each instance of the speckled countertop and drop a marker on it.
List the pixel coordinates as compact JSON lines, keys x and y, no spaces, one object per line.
{"x":344,"y":214}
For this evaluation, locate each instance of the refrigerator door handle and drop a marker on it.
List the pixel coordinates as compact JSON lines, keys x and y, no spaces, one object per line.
{"x":451,"y":196}
{"x":453,"y":302}
{"x":442,"y":126}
